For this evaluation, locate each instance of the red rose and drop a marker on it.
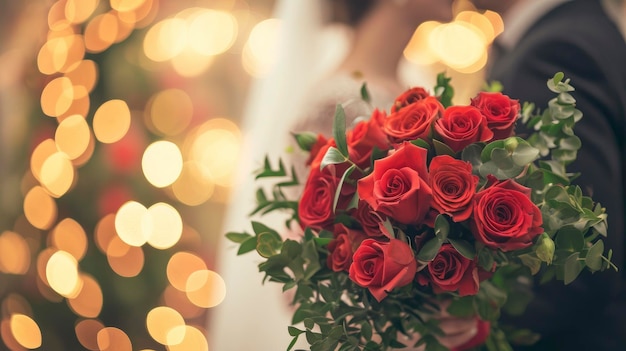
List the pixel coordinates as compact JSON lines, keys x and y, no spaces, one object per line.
{"x":501,"y":112}
{"x":369,"y":220}
{"x":316,"y":148}
{"x":364,"y":137}
{"x":315,"y":209}
{"x":505,"y":218}
{"x":453,"y":186}
{"x":383,"y":266}
{"x":461,"y":126}
{"x":398,"y":186}
{"x":408,"y":97}
{"x":342,"y":247}
{"x":413,"y":121}
{"x":450,"y":271}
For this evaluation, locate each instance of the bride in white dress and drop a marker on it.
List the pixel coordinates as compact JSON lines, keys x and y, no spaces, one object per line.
{"x":301,"y":94}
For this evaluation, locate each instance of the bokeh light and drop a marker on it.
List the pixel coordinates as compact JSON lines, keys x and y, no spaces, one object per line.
{"x":181,"y":266}
{"x":132,"y":223}
{"x":160,"y":322}
{"x":113,"y":339}
{"x":167,"y":226}
{"x":57,"y":174}
{"x":111,"y":121}
{"x":162,"y":163}
{"x":69,"y":236}
{"x":169,"y":112}
{"x":14,"y":253}
{"x":26,"y":331}
{"x":62,"y":274}
{"x":73,"y":136}
{"x":57,"y":96}
{"x":87,"y":333}
{"x":194,"y":340}
{"x":205,"y":288}
{"x":259,"y":53}
{"x":89,"y":300}
{"x":215,"y":147}
{"x":40,"y":208}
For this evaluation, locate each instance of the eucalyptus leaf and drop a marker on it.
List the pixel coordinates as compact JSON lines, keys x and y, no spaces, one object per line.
{"x":572,"y":268}
{"x":593,"y":259}
{"x":442,"y":227}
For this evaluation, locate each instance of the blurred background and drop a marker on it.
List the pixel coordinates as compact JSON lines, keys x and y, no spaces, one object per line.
{"x":119,"y":138}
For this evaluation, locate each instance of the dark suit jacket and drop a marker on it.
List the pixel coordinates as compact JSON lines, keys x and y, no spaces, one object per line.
{"x":578,"y":39}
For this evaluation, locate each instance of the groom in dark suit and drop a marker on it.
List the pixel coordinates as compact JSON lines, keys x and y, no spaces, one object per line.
{"x":583,"y":40}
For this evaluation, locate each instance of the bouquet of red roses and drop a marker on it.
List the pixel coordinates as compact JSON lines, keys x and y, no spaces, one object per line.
{"x":428,"y":205}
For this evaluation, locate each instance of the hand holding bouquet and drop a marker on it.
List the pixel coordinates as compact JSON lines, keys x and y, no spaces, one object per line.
{"x":428,"y":205}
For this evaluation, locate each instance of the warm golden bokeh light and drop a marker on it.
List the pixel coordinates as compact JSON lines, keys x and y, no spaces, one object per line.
{"x":126,"y":5}
{"x":72,"y":136}
{"x":88,"y":302}
{"x":179,"y":301}
{"x":78,"y":11}
{"x":160,"y":321}
{"x":162,"y":163}
{"x":113,"y":339}
{"x":105,"y":232}
{"x":169,"y":111}
{"x":194,"y":340}
{"x":87,"y":333}
{"x":165,"y":39}
{"x":180,"y":266}
{"x":259,"y":53}
{"x":192,"y":188}
{"x":459,"y":44}
{"x":111,"y":121}
{"x":57,"y":174}
{"x":189,"y":63}
{"x":167,"y":226}
{"x":25,"y":331}
{"x":14,"y":303}
{"x":418,"y":49}
{"x":211,"y":32}
{"x":14,"y":253}
{"x":40,"y":154}
{"x":215,"y":146}
{"x":101,"y":32}
{"x":132,"y":223}
{"x":62,"y":274}
{"x":125,"y":260}
{"x":69,"y":236}
{"x":83,"y":74}
{"x":40,"y":208}
{"x":57,"y":96}
{"x":205,"y":288}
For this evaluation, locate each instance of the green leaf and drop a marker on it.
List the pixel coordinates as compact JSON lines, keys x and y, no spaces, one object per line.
{"x":268,"y":171}
{"x":442,"y":227}
{"x":259,"y":228}
{"x":237,"y":237}
{"x":293,"y":331}
{"x":365,"y":95}
{"x":442,"y":148}
{"x":339,"y":130}
{"x":305,"y":140}
{"x":430,"y":249}
{"x":443,"y":90}
{"x":345,"y":175}
{"x":332,"y":156}
{"x":570,"y":239}
{"x":247,"y":246}
{"x":533,"y":263}
{"x":464,"y":248}
{"x":572,"y":268}
{"x":593,"y":259}
{"x":462,"y":307}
